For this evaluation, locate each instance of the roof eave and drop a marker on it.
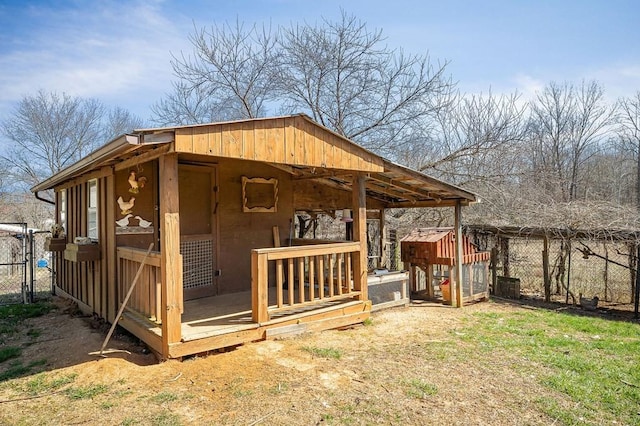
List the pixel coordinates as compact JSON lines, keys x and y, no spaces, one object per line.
{"x":104,"y":152}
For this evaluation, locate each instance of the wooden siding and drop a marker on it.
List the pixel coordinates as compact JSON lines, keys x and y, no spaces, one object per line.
{"x":286,"y":140}
{"x":92,"y":283}
{"x":145,"y":299}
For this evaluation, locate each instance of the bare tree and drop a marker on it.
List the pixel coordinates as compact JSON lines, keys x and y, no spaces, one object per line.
{"x":628,"y":131}
{"x":342,"y":75}
{"x":568,"y":126}
{"x":119,"y":121}
{"x":48,"y":132}
{"x":478,"y":139}
{"x":231,"y":75}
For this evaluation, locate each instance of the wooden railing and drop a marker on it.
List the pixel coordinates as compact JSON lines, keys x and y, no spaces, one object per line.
{"x":304,"y":275}
{"x":145,"y":298}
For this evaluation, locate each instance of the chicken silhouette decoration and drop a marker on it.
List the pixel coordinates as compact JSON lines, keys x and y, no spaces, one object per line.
{"x":143,"y":223}
{"x":124,"y":222}
{"x":126,"y":206}
{"x":135,"y":182}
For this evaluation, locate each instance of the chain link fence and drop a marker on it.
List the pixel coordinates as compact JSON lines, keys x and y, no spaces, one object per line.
{"x":25,"y":267}
{"x":587,"y":267}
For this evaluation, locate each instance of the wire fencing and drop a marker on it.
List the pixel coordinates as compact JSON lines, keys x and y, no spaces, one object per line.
{"x":587,"y":267}
{"x":25,"y":265}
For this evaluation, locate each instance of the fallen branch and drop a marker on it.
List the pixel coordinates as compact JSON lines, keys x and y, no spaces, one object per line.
{"x":27,"y":398}
{"x":175,"y":378}
{"x":261,"y":419}
{"x":633,"y":385}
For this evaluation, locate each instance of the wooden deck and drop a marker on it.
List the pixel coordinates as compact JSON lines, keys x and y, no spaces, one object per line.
{"x":215,"y":322}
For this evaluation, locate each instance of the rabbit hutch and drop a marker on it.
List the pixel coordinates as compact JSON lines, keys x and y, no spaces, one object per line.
{"x":188,"y":229}
{"x":430,"y":254}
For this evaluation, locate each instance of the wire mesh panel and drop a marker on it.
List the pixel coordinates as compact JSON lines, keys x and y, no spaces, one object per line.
{"x":591,"y":267}
{"x":197,"y":263}
{"x":13,"y":263}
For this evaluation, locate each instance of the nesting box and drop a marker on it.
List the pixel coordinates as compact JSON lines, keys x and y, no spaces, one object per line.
{"x":55,"y":244}
{"x":434,"y":251}
{"x":82,"y":252}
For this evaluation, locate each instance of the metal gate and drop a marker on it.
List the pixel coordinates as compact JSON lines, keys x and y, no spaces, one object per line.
{"x":25,"y":267}
{"x":13,"y":263}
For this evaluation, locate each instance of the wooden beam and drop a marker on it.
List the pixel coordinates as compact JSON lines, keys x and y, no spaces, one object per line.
{"x":456,"y":291}
{"x":143,"y":158}
{"x":382,"y":260}
{"x":425,"y":203}
{"x":397,"y":183}
{"x":359,"y":208}
{"x":170,"y":252}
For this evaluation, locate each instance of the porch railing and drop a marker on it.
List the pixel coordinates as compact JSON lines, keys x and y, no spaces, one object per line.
{"x":145,"y":298}
{"x":302,"y":276}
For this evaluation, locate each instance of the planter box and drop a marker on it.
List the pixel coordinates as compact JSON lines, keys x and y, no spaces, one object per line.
{"x":55,"y":244}
{"x":82,"y":252}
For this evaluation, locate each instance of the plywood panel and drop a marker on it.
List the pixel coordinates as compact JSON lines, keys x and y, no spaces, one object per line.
{"x":240,"y":232}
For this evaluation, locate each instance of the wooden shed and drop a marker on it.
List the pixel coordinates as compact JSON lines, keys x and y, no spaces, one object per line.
{"x":216,"y":202}
{"x":433,"y":250}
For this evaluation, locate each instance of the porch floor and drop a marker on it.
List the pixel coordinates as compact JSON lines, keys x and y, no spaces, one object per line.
{"x":230,"y":313}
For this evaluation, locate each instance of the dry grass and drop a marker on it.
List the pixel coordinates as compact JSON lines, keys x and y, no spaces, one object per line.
{"x":410,"y":366}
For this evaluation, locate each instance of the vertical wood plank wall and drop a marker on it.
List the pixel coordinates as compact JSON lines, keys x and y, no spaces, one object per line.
{"x":90,"y":283}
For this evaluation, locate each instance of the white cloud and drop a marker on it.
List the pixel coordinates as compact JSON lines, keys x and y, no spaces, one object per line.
{"x":118,"y":52}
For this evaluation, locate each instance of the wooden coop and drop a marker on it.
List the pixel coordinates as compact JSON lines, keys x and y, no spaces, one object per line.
{"x":176,"y":226}
{"x":430,"y":255}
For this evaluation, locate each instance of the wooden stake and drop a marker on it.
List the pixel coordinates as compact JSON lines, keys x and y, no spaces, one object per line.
{"x":126,"y":299}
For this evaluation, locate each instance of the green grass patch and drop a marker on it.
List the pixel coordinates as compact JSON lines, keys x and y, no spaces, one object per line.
{"x":323,"y":352}
{"x":86,"y":392}
{"x":166,"y":419}
{"x":368,"y":322}
{"x":164,"y":397}
{"x":418,"y":388}
{"x":14,"y":314}
{"x":42,"y":383}
{"x":9,"y":352}
{"x":592,"y":361}
{"x":18,"y":369}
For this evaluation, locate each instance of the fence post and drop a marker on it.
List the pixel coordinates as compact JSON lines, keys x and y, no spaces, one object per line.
{"x":31,"y":270}
{"x":637,"y":292}
{"x":568,"y":271}
{"x":545,"y":269}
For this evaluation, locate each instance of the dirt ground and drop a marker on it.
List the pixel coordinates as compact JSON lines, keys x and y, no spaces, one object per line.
{"x":388,"y":373}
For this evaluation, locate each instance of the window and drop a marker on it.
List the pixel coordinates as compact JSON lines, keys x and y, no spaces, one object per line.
{"x":92,"y":209}
{"x":63,"y":209}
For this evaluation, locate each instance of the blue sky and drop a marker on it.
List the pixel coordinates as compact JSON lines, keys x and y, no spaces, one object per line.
{"x":119,"y":51}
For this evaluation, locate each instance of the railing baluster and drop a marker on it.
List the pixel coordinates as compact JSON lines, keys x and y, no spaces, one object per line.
{"x":312,"y":278}
{"x":331,"y":266}
{"x":339,"y":260}
{"x":279,"y":282}
{"x":291,"y":281}
{"x":301,"y":279}
{"x":320,"y":260}
{"x":347,"y":271}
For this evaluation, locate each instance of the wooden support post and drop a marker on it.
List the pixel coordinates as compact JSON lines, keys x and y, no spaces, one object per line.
{"x":382,"y":260}
{"x":259,"y":288}
{"x":456,"y":291}
{"x":359,"y":201}
{"x":429,"y":281}
{"x":504,"y":250}
{"x":170,"y":252}
{"x":494,"y":269}
{"x":545,"y":269}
